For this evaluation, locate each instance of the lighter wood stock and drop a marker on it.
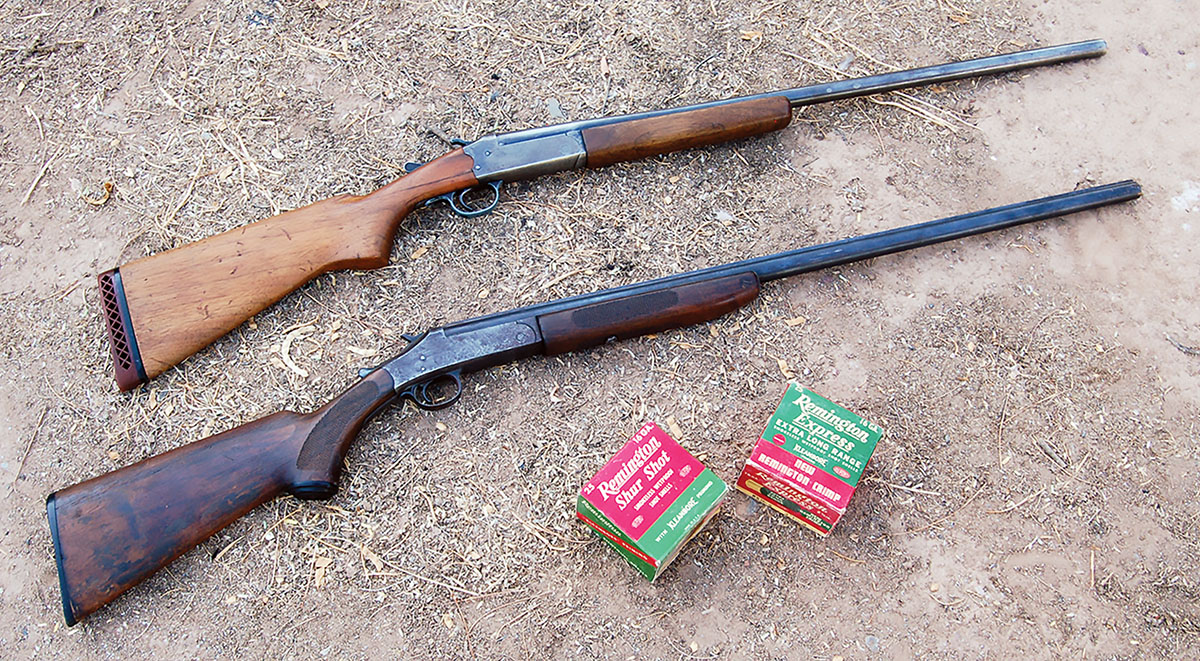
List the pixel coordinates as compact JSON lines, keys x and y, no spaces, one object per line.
{"x":113,"y":531}
{"x":640,"y":138}
{"x":184,"y":299}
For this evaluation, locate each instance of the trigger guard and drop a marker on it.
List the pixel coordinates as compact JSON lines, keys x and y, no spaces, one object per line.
{"x":456,"y":198}
{"x":419,"y":393}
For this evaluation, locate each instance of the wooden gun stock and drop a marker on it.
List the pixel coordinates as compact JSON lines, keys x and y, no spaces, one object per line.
{"x":163,"y":308}
{"x":113,"y":531}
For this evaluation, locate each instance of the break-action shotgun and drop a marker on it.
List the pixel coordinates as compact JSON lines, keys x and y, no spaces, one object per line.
{"x":163,"y":308}
{"x":114,"y":530}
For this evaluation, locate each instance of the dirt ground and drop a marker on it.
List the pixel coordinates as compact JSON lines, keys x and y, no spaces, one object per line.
{"x":1036,"y":494}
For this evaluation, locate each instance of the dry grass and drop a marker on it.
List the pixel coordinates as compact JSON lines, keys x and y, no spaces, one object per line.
{"x":130,"y":129}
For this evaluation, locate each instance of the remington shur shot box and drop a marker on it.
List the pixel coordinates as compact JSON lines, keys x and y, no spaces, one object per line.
{"x":649,"y":500}
{"x":809,"y":459}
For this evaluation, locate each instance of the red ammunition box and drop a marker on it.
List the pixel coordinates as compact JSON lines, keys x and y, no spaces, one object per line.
{"x":649,"y":500}
{"x":809,"y":459}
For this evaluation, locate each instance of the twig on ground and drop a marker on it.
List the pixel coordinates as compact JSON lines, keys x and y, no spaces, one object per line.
{"x":28,"y":446}
{"x":943,"y":519}
{"x":1052,"y":453}
{"x":1000,"y":430}
{"x":41,"y":173}
{"x":516,"y":619}
{"x":848,"y":558}
{"x":1014,"y":506}
{"x":400,"y":571}
{"x":908,"y":489}
{"x":949,"y":604}
{"x":466,"y":626}
{"x":1191,"y":351}
{"x":187,"y":194}
{"x":38,"y":121}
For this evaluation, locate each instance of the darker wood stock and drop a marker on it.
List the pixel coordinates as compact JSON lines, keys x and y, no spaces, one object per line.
{"x":640,"y":138}
{"x":182,"y":300}
{"x":650,"y":312}
{"x":113,"y":531}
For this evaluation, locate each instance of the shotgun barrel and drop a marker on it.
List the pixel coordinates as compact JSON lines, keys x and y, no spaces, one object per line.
{"x":844,"y":251}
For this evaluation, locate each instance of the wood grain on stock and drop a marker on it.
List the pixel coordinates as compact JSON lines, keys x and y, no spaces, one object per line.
{"x":184,"y":299}
{"x":113,"y":531}
{"x":627,"y":141}
{"x":651,"y":312}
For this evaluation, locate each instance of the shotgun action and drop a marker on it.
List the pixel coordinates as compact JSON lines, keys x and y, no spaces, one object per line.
{"x":163,"y":308}
{"x":114,"y":530}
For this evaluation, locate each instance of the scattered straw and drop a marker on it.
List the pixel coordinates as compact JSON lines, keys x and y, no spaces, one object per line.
{"x":205,"y":121}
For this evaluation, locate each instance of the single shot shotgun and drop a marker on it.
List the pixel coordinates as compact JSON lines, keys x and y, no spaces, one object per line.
{"x":163,"y":308}
{"x":114,"y":530}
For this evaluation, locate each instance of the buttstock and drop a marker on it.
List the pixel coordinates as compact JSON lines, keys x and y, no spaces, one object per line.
{"x":180,"y":301}
{"x":115,"y":530}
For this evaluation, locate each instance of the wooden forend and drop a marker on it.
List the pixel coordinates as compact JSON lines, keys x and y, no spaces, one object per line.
{"x":648,"y":312}
{"x":640,"y":138}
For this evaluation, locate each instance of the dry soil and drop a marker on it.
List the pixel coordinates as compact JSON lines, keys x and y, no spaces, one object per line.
{"x":1036,"y":494}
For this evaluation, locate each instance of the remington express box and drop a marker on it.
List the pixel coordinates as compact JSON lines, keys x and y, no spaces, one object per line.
{"x":650,"y":499}
{"x":809,"y":459}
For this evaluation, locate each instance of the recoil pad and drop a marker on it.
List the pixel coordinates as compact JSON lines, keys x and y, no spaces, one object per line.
{"x":127,"y":360}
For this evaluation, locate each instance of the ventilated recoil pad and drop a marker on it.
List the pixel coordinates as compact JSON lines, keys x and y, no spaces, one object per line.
{"x":127,"y":361}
